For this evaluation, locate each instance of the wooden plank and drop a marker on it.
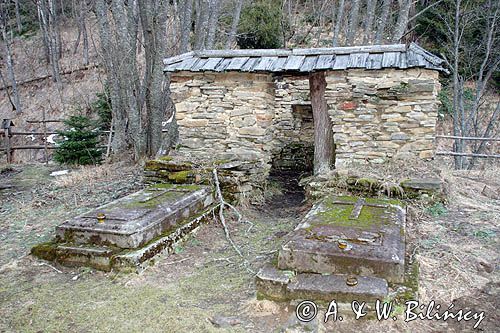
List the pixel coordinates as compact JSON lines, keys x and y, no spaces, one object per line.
{"x":341,"y":61}
{"x":374,"y":61}
{"x":357,"y":60}
{"x":223,"y":65}
{"x":211,"y":64}
{"x":466,"y":154}
{"x":179,"y":58}
{"x":248,"y":67}
{"x":237,"y":63}
{"x":350,"y":49}
{"x":467,"y":138}
{"x":31,"y":133}
{"x":390,"y":59}
{"x":325,"y":61}
{"x":187,"y":64}
{"x":279,"y":64}
{"x":411,"y":59}
{"x":243,"y":53}
{"x":45,"y":121}
{"x":309,"y":64}
{"x":199,"y":65}
{"x":264,"y":63}
{"x":293,"y":63}
{"x":403,"y":61}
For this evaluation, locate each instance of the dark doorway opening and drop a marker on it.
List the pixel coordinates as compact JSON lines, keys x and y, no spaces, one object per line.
{"x":293,"y":162}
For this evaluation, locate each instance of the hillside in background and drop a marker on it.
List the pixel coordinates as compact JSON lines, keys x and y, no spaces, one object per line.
{"x":200,"y":24}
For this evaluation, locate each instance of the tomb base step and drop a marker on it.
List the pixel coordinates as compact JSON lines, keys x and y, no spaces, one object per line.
{"x":281,"y":285}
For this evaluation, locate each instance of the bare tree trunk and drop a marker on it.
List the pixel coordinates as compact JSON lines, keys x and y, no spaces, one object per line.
{"x":81,"y":14}
{"x":46,"y":17}
{"x":234,"y":24}
{"x":353,"y":22}
{"x":155,"y":83}
{"x":120,"y":141}
{"x":339,"y":22}
{"x":402,"y":21}
{"x":457,"y":88}
{"x":324,"y":149}
{"x":384,"y":16}
{"x":487,"y":133}
{"x":370,"y":15}
{"x":18,"y":17}
{"x":201,"y":24}
{"x":214,"y":6}
{"x":16,"y":102}
{"x":186,"y":19}
{"x":139,"y":104}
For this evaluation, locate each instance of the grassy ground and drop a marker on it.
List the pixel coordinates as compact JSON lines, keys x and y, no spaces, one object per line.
{"x":205,"y":284}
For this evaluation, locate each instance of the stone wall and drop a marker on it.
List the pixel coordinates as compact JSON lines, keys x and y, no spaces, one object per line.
{"x":376,"y":115}
{"x":382,"y":114}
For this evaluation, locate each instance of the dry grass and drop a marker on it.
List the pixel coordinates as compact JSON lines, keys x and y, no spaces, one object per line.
{"x":89,"y":175}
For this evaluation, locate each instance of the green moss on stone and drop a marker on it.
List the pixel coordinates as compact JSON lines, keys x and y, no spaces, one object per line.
{"x":165,"y":158}
{"x":45,"y":251}
{"x":182,"y":187}
{"x":180,"y":176}
{"x":338,"y":214}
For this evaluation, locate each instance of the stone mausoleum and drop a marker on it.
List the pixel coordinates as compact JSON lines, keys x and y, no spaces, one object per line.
{"x":254,"y":105}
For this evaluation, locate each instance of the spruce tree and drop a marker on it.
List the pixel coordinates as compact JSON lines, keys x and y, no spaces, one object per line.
{"x":80,"y":143}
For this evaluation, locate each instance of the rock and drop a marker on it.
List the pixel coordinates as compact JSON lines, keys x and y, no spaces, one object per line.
{"x":59,"y":173}
{"x":223,"y":322}
{"x":486,"y":266}
{"x":490,"y":192}
{"x":422,"y":184}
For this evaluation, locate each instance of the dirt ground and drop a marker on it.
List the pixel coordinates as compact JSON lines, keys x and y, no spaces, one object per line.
{"x":205,"y":286}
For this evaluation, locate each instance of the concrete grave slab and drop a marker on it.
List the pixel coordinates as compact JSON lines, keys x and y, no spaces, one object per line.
{"x":134,"y":220}
{"x":130,"y":232}
{"x":349,"y":235}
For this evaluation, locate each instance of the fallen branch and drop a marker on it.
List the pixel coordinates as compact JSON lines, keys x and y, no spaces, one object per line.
{"x":221,"y":212}
{"x":177,"y":261}
{"x":222,"y":204}
{"x":45,"y":264}
{"x":48,"y":76}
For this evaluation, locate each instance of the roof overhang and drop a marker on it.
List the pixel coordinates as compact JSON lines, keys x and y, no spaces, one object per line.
{"x":371,"y":57}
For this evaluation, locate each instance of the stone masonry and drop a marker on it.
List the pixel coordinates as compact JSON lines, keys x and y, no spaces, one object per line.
{"x":376,"y":114}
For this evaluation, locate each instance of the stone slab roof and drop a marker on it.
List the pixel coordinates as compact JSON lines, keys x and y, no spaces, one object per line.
{"x":399,"y":56}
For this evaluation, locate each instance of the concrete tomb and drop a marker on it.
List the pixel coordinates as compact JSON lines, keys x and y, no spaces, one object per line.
{"x":128,"y":232}
{"x":345,"y":248}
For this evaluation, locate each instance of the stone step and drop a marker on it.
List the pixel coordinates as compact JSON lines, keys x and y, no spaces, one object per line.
{"x":136,"y":219}
{"x":280,"y":285}
{"x":349,"y":235}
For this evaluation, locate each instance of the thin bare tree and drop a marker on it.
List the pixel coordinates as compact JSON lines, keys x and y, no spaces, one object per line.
{"x":338,"y":23}
{"x":231,"y":38}
{"x":382,"y":21}
{"x":47,"y":15}
{"x":402,"y":21}
{"x":353,"y":22}
{"x":370,"y":16}
{"x":18,"y":16}
{"x":7,"y":55}
{"x":472,"y":62}
{"x":81,"y":11}
{"x":185,"y":24}
{"x":213,"y":21}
